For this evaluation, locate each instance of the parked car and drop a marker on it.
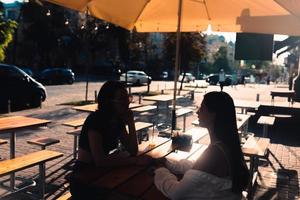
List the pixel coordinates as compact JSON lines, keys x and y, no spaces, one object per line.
{"x":27,"y":71}
{"x":136,"y":77}
{"x":213,"y":79}
{"x":56,"y":76}
{"x":188,"y":77}
{"x":19,"y":88}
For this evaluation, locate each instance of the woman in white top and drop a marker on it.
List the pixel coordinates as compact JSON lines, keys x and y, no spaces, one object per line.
{"x":220,"y":172}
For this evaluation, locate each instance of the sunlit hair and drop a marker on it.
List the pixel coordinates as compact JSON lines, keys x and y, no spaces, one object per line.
{"x":107,"y":94}
{"x":225,"y":129}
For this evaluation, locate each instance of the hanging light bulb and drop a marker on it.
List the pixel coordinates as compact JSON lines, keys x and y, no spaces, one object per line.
{"x":67,"y":22}
{"x":82,"y":26}
{"x":48,"y":13}
{"x":107,"y":26}
{"x":208,"y":30}
{"x":96,"y":28}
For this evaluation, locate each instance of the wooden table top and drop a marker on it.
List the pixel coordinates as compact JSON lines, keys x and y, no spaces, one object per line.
{"x":144,"y":108}
{"x":138,"y":181}
{"x":268,"y":120}
{"x":246,"y":104}
{"x":94,"y":107}
{"x":161,"y":97}
{"x":79,"y":122}
{"x":241,"y":119}
{"x":14,"y":123}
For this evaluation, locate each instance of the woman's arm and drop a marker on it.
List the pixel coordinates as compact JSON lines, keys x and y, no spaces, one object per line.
{"x":129,"y":139}
{"x":102,"y":160}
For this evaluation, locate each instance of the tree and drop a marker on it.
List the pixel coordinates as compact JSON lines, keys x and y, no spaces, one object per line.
{"x":221,"y":61}
{"x":7,"y":29}
{"x":192,"y":50}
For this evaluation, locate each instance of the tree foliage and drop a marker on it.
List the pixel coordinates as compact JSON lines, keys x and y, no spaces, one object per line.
{"x":7,"y":29}
{"x":221,"y":61}
{"x":192,"y":50}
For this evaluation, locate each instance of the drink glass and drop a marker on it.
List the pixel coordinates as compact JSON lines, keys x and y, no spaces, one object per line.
{"x":153,"y":134}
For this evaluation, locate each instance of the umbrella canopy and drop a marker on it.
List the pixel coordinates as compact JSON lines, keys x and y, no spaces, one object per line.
{"x":254,"y":16}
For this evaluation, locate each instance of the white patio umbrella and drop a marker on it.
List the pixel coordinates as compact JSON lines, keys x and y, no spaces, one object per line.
{"x":255,"y":16}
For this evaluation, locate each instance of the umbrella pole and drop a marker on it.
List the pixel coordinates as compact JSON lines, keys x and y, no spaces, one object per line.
{"x":178,"y":34}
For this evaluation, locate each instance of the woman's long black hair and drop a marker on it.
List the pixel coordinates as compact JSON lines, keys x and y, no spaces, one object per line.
{"x":107,"y":94}
{"x":225,"y":129}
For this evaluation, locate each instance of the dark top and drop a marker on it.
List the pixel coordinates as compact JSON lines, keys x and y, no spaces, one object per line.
{"x":110,"y":131}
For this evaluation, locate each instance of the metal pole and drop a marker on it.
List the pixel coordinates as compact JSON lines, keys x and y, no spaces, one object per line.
{"x":176,"y":65}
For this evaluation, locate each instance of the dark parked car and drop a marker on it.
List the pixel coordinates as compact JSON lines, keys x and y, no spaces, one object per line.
{"x":213,"y":79}
{"x":19,"y":88}
{"x":56,"y":76}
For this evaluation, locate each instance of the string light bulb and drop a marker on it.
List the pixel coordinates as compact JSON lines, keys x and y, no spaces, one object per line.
{"x":107,"y":26}
{"x":96,"y":28}
{"x":48,"y":13}
{"x":67,"y":22}
{"x":82,"y":26}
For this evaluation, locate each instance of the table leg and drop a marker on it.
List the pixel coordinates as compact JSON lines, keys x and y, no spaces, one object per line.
{"x":75,"y":147}
{"x":184,"y":121}
{"x":12,"y":155}
{"x":42,"y":184}
{"x":265,"y":130}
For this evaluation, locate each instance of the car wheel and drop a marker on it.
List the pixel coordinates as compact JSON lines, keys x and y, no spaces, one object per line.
{"x":37,"y":99}
{"x":70,"y":81}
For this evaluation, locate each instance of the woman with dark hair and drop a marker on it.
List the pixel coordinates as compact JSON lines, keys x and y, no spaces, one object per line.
{"x":220,"y":172}
{"x":104,"y":141}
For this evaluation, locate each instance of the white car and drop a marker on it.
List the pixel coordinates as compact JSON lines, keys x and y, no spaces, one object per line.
{"x":188,"y":77}
{"x":136,"y":77}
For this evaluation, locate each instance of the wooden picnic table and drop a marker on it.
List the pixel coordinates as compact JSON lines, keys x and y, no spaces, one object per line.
{"x":94,"y":107}
{"x":12,"y":125}
{"x":246,"y":105}
{"x":79,"y":122}
{"x":163,"y":98}
{"x":287,"y":94}
{"x":138,"y":181}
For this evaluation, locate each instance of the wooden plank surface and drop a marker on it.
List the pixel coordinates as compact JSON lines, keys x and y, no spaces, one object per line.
{"x":266,"y":120}
{"x":183,"y":111}
{"x":241,"y":120}
{"x":13,"y":123}
{"x":161,"y":97}
{"x":246,"y":104}
{"x":256,"y":146}
{"x":94,"y":107}
{"x":75,"y":123}
{"x":144,"y":108}
{"x":31,"y":159}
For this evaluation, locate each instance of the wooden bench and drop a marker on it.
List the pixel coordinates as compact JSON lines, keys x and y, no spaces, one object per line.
{"x":183,"y":112}
{"x":43,"y":142}
{"x":75,"y":123}
{"x":266,"y":121}
{"x":66,"y":196}
{"x":255,"y":148}
{"x":29,"y":160}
